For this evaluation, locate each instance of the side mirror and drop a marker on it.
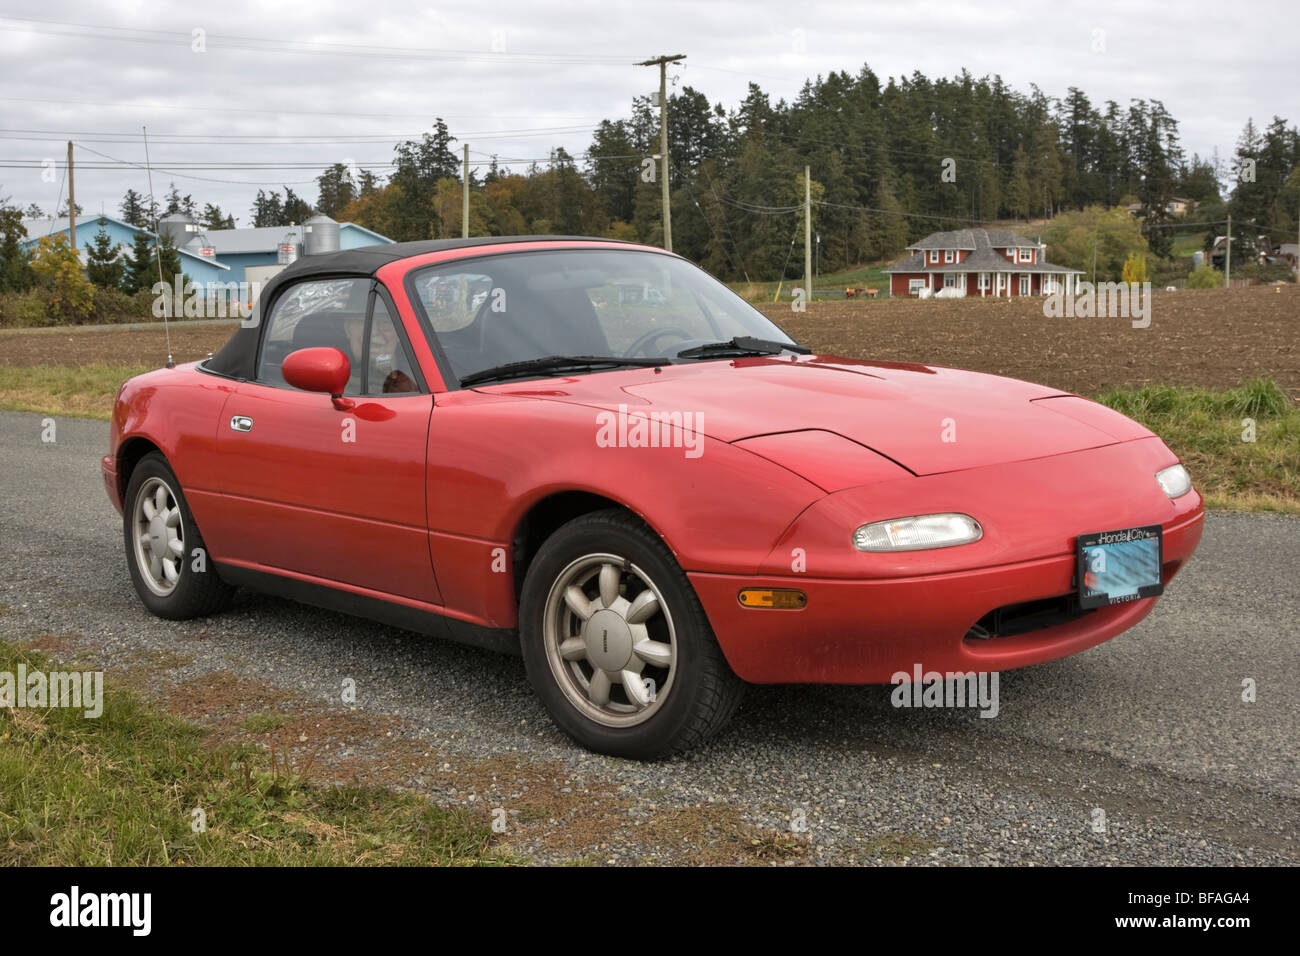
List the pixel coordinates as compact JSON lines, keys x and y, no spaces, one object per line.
{"x":320,"y":370}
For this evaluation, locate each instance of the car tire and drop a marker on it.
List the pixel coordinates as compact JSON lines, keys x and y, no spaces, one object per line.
{"x":165,"y":554}
{"x":616,"y":643}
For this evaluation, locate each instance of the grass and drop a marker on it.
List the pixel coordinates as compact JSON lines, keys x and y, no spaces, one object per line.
{"x":1206,"y":429}
{"x":86,"y":390}
{"x":121,"y":790}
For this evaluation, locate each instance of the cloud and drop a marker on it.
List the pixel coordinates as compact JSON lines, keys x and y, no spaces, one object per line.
{"x":245,"y":102}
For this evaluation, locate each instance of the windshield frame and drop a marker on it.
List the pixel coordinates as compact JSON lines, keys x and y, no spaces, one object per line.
{"x":448,"y":373}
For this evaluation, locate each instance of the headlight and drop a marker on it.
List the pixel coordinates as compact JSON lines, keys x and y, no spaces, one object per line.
{"x":917,"y":534}
{"x":1174,"y":480}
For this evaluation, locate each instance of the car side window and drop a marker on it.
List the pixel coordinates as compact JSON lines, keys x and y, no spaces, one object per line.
{"x":320,"y":312}
{"x":389,"y":368}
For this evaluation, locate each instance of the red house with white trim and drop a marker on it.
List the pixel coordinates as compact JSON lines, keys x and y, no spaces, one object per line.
{"x":994,"y":263}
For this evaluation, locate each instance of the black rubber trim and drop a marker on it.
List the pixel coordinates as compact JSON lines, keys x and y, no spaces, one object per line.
{"x":501,"y":640}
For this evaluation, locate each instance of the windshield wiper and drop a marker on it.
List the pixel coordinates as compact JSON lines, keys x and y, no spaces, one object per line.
{"x":744,"y":345}
{"x":550,"y":363}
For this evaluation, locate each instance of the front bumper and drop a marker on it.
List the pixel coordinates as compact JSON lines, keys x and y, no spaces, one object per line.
{"x":862,"y":624}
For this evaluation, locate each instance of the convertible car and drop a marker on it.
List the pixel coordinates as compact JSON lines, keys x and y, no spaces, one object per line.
{"x":593,"y":454}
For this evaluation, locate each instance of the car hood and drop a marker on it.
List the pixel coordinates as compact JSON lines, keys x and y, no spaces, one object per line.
{"x":928,"y":419}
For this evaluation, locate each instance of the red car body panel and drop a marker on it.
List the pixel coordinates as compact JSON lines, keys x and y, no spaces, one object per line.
{"x":422,"y":507}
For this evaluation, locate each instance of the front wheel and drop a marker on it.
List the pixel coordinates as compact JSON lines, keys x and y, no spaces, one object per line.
{"x":169,"y":564}
{"x":617,"y":645}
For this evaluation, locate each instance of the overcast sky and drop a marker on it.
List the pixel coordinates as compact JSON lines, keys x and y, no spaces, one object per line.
{"x":333,"y":82}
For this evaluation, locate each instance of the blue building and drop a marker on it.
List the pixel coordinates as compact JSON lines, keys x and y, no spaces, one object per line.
{"x":217,"y":256}
{"x":197,"y":268}
{"x":273,"y":245}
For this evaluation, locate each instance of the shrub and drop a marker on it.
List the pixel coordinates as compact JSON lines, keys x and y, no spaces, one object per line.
{"x":70,"y":296}
{"x":1268,"y":272}
{"x":1135,"y":268}
{"x":24,"y":310}
{"x":1169,"y":272}
{"x":113,"y":306}
{"x":1205,"y":278}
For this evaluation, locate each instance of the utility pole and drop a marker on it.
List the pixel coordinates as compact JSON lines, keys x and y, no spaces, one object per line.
{"x":72,"y":204}
{"x":807,"y":234}
{"x":662,"y":62}
{"x":464,"y":198}
{"x":1227,"y":255}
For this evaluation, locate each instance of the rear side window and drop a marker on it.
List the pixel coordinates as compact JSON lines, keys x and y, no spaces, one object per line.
{"x":320,"y":312}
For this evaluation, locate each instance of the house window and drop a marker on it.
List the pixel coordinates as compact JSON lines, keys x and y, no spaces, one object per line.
{"x":984,"y":280}
{"x":1026,"y":255}
{"x":914,"y":286}
{"x":950,"y":280}
{"x":1025,"y":283}
{"x":934,"y":256}
{"x":947,"y":255}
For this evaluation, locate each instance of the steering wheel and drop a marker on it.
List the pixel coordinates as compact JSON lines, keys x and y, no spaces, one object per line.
{"x":654,"y":335}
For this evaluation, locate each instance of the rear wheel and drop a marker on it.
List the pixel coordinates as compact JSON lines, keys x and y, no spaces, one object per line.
{"x":165,"y":553}
{"x":616,"y":643}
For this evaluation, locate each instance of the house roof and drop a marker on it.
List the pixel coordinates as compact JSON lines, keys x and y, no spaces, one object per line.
{"x":38,"y":228}
{"x":983,"y":258}
{"x":969,"y":238}
{"x":258,"y":239}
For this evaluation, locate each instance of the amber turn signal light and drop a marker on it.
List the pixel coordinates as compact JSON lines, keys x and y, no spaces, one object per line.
{"x":782,"y":598}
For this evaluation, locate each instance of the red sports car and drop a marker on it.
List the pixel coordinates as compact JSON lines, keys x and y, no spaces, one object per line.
{"x":594,"y":454}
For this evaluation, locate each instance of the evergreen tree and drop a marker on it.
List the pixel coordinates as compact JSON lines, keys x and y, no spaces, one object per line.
{"x":336,"y":190}
{"x":132,"y":209}
{"x":420,"y":165}
{"x":268,"y":210}
{"x":146,"y":259}
{"x":295,"y":209}
{"x":176,"y":203}
{"x":104,"y":266}
{"x":1017,"y":197}
{"x":15,"y":263}
{"x":213,"y":218}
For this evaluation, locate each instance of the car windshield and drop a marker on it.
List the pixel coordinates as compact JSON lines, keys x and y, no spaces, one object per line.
{"x":491,"y":311}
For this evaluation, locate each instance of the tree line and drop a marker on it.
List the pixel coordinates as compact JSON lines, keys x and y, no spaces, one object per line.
{"x":889,"y":163}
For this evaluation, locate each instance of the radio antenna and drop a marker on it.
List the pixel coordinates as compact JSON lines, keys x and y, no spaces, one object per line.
{"x":157,"y":246}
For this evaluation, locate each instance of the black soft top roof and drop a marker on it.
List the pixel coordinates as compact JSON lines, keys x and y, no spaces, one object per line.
{"x":238,"y":356}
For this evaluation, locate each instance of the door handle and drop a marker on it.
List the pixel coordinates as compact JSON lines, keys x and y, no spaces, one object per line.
{"x":241,"y":423}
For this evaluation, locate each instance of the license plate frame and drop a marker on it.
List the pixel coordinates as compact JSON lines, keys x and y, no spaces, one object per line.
{"x":1119,"y":566}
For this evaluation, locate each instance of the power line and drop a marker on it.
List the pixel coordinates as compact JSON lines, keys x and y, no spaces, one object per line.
{"x":303,"y":47}
{"x":272,"y":112}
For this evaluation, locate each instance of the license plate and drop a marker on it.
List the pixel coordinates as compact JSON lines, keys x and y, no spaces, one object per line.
{"x":1119,"y":566}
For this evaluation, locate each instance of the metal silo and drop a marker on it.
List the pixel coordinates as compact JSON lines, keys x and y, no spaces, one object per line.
{"x":320,"y":235}
{"x":179,"y":226}
{"x":287,"y":252}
